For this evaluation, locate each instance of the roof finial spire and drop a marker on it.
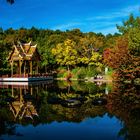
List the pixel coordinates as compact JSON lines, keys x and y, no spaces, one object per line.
{"x":34,"y":45}
{"x":30,"y":42}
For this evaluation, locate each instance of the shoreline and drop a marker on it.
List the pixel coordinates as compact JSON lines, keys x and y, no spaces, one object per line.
{"x":86,"y":80}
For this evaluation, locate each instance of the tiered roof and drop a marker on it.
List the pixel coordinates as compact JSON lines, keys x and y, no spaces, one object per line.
{"x":24,"y":51}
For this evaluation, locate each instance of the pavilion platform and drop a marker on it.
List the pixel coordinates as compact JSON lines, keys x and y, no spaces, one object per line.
{"x":25,"y":78}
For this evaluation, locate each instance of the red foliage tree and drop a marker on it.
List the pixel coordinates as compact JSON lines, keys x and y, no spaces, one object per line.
{"x":120,"y":60}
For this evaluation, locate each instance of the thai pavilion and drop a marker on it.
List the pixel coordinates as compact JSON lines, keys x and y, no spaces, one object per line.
{"x":25,"y":59}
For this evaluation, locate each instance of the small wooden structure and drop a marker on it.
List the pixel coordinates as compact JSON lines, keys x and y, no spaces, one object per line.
{"x":25,"y":58}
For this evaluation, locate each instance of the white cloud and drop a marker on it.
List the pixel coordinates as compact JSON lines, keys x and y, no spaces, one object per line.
{"x":67,"y":26}
{"x":132,"y":9}
{"x":105,"y":23}
{"x":105,"y":31}
{"x":117,"y":14}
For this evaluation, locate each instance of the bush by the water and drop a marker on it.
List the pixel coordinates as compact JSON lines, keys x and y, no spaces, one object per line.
{"x":77,"y":73}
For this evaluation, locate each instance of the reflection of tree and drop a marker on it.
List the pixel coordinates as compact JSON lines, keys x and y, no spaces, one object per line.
{"x":7,"y":126}
{"x":82,"y":87}
{"x":55,"y":111}
{"x":31,"y":106}
{"x":18,"y":106}
{"x":124,"y":103}
{"x":32,"y":100}
{"x":77,"y":114}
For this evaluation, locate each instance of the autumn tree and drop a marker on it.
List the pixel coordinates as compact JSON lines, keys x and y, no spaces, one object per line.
{"x":65,"y":53}
{"x":124,"y":57}
{"x":118,"y":56}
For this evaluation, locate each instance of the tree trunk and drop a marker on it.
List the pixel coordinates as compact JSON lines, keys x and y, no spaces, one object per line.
{"x":68,"y":77}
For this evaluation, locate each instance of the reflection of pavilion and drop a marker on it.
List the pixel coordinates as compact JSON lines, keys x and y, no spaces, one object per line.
{"x":22,"y":97}
{"x":21,"y":107}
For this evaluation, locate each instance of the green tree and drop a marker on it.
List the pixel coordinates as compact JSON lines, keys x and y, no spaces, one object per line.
{"x":10,"y":1}
{"x":132,"y":22}
{"x":89,"y":54}
{"x":134,"y":41}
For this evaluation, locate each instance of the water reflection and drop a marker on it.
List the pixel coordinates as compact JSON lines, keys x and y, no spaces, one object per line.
{"x":85,"y":110}
{"x":124,"y":103}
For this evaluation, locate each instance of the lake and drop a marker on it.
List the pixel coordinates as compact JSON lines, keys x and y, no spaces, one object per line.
{"x":60,"y":110}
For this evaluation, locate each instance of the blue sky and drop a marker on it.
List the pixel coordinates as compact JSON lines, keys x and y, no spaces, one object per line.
{"x":87,"y":15}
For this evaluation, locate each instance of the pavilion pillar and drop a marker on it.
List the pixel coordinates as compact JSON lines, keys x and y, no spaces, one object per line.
{"x":12,"y":91}
{"x":31,"y":67}
{"x":12,"y":68}
{"x":20,"y":64}
{"x":37,"y":67}
{"x":20,"y":95}
{"x":37,"y":89}
{"x":31,"y":90}
{"x":24,"y":68}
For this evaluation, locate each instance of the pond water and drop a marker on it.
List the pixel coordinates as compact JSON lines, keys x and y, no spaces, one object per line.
{"x":63,"y":110}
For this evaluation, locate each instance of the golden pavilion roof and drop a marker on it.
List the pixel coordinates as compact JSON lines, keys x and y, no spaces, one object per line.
{"x":24,"y":51}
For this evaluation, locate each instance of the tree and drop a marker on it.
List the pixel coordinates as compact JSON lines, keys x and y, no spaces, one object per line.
{"x":10,"y":1}
{"x":132,"y":22}
{"x":123,"y":60}
{"x":124,"y":57}
{"x":65,"y":53}
{"x":88,"y":53}
{"x":134,"y":41}
{"x":118,"y":56}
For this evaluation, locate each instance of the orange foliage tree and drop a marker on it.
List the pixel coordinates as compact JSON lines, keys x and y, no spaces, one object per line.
{"x":120,"y":59}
